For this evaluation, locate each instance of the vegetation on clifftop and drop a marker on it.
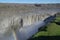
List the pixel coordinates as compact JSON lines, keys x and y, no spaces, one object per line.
{"x":50,"y":32}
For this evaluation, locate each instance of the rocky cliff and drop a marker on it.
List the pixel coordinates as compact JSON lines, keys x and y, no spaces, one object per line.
{"x":30,"y":13}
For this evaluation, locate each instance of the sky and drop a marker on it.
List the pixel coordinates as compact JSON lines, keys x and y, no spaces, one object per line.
{"x":30,"y":1}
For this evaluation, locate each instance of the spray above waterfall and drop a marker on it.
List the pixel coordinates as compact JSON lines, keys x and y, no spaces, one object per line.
{"x":8,"y":24}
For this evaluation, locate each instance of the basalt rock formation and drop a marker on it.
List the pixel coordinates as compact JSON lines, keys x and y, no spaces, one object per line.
{"x":30,"y":13}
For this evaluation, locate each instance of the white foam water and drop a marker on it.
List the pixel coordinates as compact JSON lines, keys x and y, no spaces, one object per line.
{"x":6,"y":27}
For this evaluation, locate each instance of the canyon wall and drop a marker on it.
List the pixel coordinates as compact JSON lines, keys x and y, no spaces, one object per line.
{"x":30,"y":13}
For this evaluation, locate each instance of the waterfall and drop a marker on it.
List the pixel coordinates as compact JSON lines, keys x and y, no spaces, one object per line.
{"x":31,"y":19}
